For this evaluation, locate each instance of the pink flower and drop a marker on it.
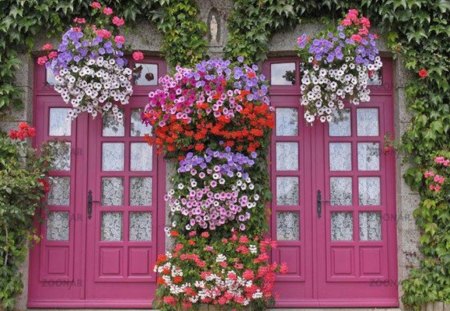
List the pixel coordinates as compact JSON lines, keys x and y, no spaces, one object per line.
{"x":283,"y":268}
{"x":79,"y":20}
{"x":439,"y":179}
{"x":205,"y":234}
{"x":107,"y":11}
{"x":365,"y":22}
{"x":363,"y":31}
{"x":346,"y":22}
{"x":356,"y":38}
{"x":105,"y":34}
{"x":118,"y":21}
{"x":119,"y":39}
{"x":42,"y":60}
{"x":96,"y":5}
{"x":353,"y":12}
{"x":77,"y":29}
{"x":47,"y":47}
{"x":138,"y":55}
{"x":232,"y":276}
{"x":428,"y":174}
{"x":52,"y":54}
{"x":439,"y":160}
{"x":222,"y":300}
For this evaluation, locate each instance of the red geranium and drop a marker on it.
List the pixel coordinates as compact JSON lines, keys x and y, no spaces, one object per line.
{"x":423,"y":73}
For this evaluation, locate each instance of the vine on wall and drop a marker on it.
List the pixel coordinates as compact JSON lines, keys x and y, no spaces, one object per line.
{"x":417,"y":30}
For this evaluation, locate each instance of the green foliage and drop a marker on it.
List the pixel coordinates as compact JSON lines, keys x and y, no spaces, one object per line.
{"x":20,"y":197}
{"x":183,"y":33}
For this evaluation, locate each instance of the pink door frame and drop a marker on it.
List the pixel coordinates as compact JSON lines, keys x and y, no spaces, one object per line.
{"x":61,"y":273}
{"x":325,"y":273}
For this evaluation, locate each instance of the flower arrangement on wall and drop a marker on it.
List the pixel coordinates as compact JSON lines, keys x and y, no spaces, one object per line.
{"x":89,"y":65}
{"x":337,"y":65}
{"x":216,"y":120}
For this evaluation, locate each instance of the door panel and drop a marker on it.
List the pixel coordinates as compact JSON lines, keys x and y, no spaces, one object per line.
{"x":103,"y":258}
{"x":337,"y":241}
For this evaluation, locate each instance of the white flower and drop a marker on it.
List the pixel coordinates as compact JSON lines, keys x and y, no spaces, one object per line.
{"x":221,"y":258}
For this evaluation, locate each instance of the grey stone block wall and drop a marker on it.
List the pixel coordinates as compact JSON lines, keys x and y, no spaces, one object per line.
{"x":147,"y":38}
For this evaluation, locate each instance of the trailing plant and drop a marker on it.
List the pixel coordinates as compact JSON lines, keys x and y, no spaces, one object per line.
{"x":217,"y":120}
{"x":336,"y":67}
{"x":216,"y":102}
{"x":21,"y":22}
{"x":232,"y":273}
{"x":89,"y":65}
{"x":22,"y":187}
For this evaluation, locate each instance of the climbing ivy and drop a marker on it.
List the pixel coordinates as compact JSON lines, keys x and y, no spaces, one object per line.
{"x":418,"y":31}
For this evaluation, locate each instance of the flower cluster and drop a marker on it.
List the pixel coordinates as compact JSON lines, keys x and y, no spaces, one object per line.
{"x":232,"y":272}
{"x":434,"y":180}
{"x":337,"y":66}
{"x":214,"y":102}
{"x":24,"y":131}
{"x":89,"y":65}
{"x":213,"y":190}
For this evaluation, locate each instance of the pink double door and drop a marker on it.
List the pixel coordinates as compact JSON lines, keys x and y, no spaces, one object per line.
{"x":103,"y":227}
{"x":333,"y":207}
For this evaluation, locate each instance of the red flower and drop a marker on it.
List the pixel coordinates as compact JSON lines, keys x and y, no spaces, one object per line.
{"x":174,"y":233}
{"x":248,"y":275}
{"x":138,"y":55}
{"x":45,"y":184}
{"x":118,"y":21}
{"x":423,"y":73}
{"x":199,"y":147}
{"x":177,"y":280}
{"x":169,"y":300}
{"x":205,"y":234}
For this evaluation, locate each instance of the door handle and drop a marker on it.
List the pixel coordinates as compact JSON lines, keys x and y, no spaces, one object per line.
{"x":89,"y":204}
{"x":319,"y":202}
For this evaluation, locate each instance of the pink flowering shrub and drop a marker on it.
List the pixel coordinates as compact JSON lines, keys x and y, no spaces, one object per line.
{"x":436,"y":178}
{"x":231,"y":273}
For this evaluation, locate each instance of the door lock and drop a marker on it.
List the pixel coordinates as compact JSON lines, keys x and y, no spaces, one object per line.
{"x":89,"y":204}
{"x":319,"y":202}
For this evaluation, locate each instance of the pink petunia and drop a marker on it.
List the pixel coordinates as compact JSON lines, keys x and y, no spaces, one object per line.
{"x":47,"y":47}
{"x":96,"y":5}
{"x":138,"y":55}
{"x":356,"y":38}
{"x":42,"y":60}
{"x":79,"y":20}
{"x":119,"y":39}
{"x":118,"y":21}
{"x":52,"y":54}
{"x":105,"y":34}
{"x":346,"y":22}
{"x":107,"y":11}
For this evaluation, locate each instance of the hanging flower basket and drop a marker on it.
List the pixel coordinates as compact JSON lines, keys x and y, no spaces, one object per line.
{"x":89,"y":65}
{"x":215,"y":105}
{"x":336,"y":67}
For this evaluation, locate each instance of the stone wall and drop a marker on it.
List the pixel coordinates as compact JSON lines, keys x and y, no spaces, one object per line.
{"x":147,"y":38}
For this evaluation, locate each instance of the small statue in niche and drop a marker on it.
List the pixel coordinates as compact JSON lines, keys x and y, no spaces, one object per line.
{"x":214,"y":27}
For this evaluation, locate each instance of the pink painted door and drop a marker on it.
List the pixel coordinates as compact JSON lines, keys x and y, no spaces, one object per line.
{"x":104,"y":224}
{"x":333,"y":207}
